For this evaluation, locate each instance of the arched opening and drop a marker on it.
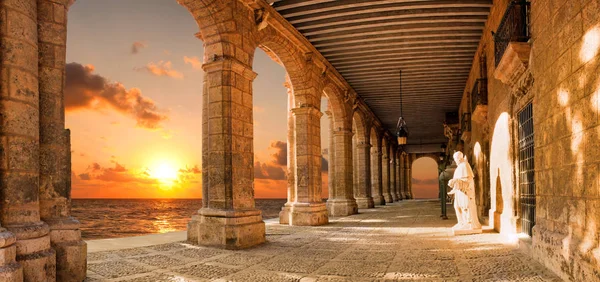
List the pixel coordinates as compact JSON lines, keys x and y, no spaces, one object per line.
{"x":271,"y":91}
{"x":132,"y":104}
{"x":425,"y":184}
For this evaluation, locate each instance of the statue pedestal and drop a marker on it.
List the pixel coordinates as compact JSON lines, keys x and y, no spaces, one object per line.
{"x":457,"y":231}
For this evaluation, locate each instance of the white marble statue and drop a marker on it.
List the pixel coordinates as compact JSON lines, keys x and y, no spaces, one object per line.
{"x":463,"y":189}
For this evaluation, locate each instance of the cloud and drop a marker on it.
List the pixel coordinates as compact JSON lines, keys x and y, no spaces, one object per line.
{"x":137,"y":46}
{"x":162,"y":68}
{"x":167,"y":52}
{"x":189,"y":174}
{"x":425,"y":181}
{"x":85,"y":90}
{"x":268,"y":171}
{"x":194,"y":61}
{"x":118,"y":173}
{"x":280,"y":155}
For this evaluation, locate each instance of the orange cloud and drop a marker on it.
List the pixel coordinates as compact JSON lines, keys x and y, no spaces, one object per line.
{"x":137,"y":46}
{"x":86,"y":90}
{"x":194,"y":61}
{"x":162,"y":68}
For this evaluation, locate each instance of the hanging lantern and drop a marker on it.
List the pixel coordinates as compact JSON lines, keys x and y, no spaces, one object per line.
{"x":401,"y":132}
{"x":401,"y":128}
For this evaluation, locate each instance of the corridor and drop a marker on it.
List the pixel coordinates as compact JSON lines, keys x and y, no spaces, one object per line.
{"x":401,"y":241}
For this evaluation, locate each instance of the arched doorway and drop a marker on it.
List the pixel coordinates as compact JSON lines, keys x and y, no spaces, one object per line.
{"x":425,"y":184}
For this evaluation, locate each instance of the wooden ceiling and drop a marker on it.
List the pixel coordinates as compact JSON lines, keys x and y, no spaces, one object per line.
{"x":433,"y":42}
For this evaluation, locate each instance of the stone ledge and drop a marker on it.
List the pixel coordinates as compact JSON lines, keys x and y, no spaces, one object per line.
{"x":514,"y":62}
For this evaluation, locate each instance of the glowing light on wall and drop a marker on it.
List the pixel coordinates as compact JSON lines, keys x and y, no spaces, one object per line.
{"x":501,"y":175}
{"x":591,"y":44}
{"x":563,"y":97}
{"x":477,"y":151}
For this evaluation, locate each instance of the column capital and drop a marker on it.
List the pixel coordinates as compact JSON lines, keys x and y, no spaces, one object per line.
{"x":340,"y":131}
{"x":306,"y":110}
{"x":364,"y":145}
{"x":229,"y":64}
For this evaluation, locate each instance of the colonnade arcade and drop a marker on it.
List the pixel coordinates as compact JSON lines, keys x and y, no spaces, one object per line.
{"x":40,"y":241}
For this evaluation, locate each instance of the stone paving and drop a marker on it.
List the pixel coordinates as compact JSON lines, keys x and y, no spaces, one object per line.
{"x":401,"y":241}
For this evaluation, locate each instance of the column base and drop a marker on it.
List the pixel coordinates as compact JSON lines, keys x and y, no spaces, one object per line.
{"x":34,"y":252}
{"x":10,"y":269}
{"x":227,"y":229}
{"x":365,"y":203}
{"x":399,"y":197}
{"x":71,"y":250}
{"x":12,"y":272}
{"x":394,"y":198}
{"x":388,"y":198}
{"x":304,"y":214}
{"x":379,"y":200}
{"x":342,"y":207}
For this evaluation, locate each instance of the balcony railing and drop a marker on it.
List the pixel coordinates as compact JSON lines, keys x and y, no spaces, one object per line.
{"x":479,"y":95}
{"x":514,"y":27}
{"x":465,"y":125}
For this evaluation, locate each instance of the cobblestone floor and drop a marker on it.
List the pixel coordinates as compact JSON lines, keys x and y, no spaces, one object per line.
{"x":401,"y":241}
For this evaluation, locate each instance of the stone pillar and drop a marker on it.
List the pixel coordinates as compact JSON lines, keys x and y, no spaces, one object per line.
{"x":305,"y":205}
{"x":363,"y":179}
{"x":331,"y":154}
{"x":385,"y":174}
{"x":393,"y":177}
{"x":342,"y":202}
{"x":406,"y":177}
{"x":19,"y":146}
{"x":376,"y":176}
{"x":398,"y":178}
{"x":55,"y":147}
{"x":228,"y":217}
{"x":409,"y":176}
{"x":402,"y":176}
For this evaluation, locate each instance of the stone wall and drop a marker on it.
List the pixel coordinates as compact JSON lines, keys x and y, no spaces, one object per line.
{"x":565,"y":66}
{"x":565,"y":63}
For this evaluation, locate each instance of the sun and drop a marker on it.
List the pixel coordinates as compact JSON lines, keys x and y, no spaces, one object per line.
{"x":163,"y":171}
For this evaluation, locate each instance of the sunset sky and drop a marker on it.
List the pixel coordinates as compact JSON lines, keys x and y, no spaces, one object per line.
{"x":133,"y":104}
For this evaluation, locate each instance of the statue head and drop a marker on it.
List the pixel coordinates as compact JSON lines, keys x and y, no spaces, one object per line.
{"x":459,"y":157}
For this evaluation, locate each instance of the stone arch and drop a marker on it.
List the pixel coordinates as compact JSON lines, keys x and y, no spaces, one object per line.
{"x":340,"y":111}
{"x":362,"y":128}
{"x":434,"y":156}
{"x":420,"y":193}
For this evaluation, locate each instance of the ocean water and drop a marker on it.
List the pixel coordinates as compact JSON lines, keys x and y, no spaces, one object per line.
{"x":114,"y":218}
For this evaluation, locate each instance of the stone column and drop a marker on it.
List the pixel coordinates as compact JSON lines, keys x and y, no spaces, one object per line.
{"x":393,"y":176}
{"x":402,"y":176}
{"x":305,"y":206}
{"x":363,"y":179}
{"x":10,"y":269}
{"x":386,"y":177}
{"x":19,"y":146}
{"x":409,"y":176}
{"x":398,"y":178}
{"x":376,"y":178}
{"x":228,"y":217}
{"x":55,"y":147}
{"x":342,"y":202}
{"x":331,"y":154}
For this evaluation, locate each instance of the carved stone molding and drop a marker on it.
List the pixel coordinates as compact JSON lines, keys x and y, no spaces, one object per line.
{"x":513,"y":69}
{"x":523,"y":85}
